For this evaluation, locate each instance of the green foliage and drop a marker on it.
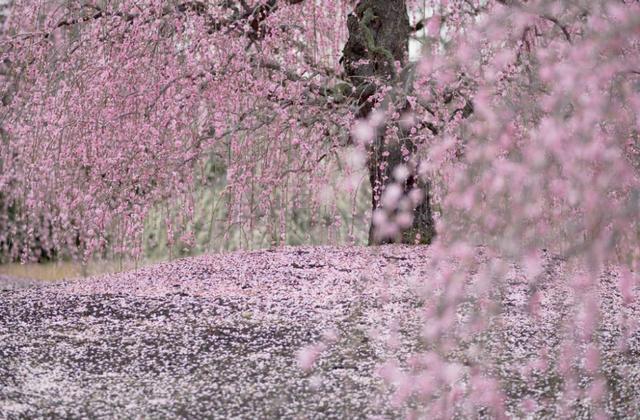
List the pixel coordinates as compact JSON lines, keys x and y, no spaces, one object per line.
{"x":209,"y":229}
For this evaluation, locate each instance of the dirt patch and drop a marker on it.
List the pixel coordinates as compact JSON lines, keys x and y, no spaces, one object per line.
{"x":8,"y":283}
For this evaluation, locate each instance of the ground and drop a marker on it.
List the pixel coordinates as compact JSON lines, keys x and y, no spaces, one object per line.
{"x":235,"y":335}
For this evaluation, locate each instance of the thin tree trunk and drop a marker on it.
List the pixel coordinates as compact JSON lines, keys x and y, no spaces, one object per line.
{"x":379,"y":33}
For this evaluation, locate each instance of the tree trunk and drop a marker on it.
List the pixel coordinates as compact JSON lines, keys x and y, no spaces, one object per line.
{"x":379,"y":33}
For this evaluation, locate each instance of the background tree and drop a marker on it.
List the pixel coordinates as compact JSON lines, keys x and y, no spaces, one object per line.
{"x":375,"y":56}
{"x":118,"y":106}
{"x":120,"y":103}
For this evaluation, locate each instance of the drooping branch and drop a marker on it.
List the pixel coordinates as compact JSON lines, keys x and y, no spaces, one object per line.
{"x":253,"y":16}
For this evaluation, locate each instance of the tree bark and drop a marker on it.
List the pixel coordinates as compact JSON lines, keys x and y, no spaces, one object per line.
{"x":379,"y":33}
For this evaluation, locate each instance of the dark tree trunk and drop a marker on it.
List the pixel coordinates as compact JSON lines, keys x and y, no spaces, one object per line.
{"x":379,"y":33}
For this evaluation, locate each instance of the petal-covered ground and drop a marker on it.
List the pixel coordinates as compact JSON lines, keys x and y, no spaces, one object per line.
{"x":228,"y":336}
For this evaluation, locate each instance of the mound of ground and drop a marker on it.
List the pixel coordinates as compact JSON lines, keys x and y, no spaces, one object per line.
{"x":236,"y":335}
